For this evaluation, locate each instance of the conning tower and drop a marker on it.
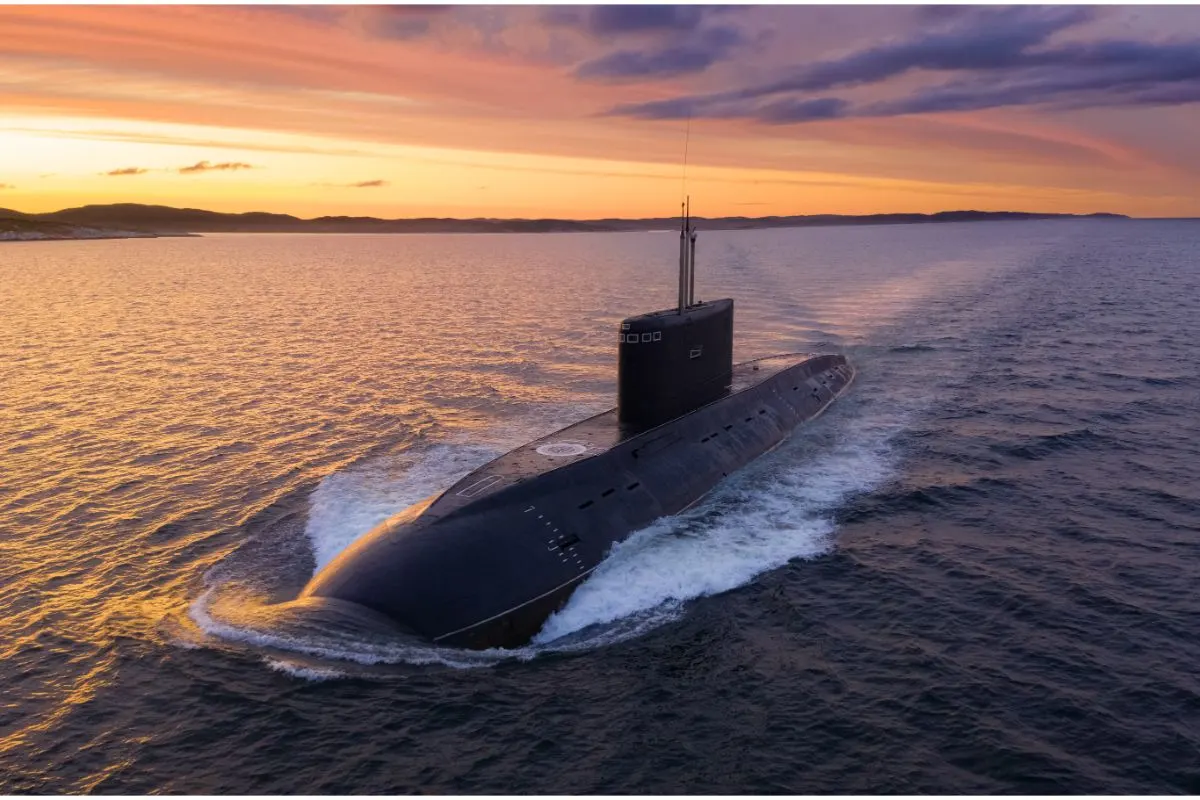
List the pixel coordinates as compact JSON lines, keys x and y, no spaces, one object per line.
{"x":673,"y":361}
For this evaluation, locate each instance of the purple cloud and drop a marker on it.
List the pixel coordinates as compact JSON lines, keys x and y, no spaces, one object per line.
{"x":1000,"y":52}
{"x":987,"y":38}
{"x":402,"y":27}
{"x":1106,"y":73}
{"x":675,"y":108}
{"x":622,"y":19}
{"x":708,"y":47}
{"x":326,"y":15}
{"x":991,"y":38}
{"x":657,"y":40}
{"x":788,"y":111}
{"x":399,"y":22}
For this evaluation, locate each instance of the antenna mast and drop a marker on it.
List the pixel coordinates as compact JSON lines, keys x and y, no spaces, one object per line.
{"x":691,"y":259}
{"x":683,"y":258}
{"x":687,"y":237}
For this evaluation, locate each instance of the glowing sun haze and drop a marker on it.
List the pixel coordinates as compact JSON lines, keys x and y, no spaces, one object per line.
{"x":580,"y":111}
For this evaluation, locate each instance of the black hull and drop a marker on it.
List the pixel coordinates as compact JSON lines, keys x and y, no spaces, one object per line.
{"x":490,"y":559}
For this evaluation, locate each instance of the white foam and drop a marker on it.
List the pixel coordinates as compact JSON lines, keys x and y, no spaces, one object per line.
{"x":760,"y":520}
{"x":305,"y":671}
{"x":347,"y":504}
{"x":231,"y":619}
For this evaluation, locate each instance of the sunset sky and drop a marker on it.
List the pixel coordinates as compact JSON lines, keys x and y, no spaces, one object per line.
{"x":581,"y":111}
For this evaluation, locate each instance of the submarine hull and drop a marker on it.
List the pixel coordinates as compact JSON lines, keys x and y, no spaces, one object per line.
{"x":485,"y":563}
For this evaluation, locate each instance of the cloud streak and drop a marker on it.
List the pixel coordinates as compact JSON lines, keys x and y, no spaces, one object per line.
{"x":372,"y":184}
{"x":657,"y":41}
{"x":402,"y":23}
{"x":705,"y":49}
{"x":616,"y":20}
{"x":200,"y":166}
{"x":205,"y":166}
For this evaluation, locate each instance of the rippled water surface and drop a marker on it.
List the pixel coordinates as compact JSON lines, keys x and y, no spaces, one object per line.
{"x":977,"y":572}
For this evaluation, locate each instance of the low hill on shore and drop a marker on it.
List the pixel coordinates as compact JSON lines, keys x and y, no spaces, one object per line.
{"x":133,"y":219}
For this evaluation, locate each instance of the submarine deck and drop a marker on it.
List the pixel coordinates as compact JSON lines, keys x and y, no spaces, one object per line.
{"x":582,"y":440}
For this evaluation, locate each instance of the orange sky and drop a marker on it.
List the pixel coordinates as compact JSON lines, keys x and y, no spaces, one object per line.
{"x":480,"y":111}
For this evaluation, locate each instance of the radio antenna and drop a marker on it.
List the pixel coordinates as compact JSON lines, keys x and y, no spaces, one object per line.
{"x":687,"y":138}
{"x":686,"y":237}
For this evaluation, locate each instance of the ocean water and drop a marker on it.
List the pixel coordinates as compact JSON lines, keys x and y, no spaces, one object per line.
{"x":977,"y":573}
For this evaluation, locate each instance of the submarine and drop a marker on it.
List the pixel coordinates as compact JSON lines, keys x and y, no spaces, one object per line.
{"x":486,"y":562}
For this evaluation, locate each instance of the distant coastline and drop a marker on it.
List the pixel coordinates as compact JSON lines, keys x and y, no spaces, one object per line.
{"x":133,"y":220}
{"x":28,"y":228}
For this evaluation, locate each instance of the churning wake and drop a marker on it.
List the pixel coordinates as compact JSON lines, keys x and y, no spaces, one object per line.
{"x":777,"y":509}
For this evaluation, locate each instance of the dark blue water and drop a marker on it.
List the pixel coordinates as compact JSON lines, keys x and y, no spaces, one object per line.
{"x":978,"y":573}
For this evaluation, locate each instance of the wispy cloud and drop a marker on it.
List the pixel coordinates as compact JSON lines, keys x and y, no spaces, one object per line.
{"x":615,"y":20}
{"x":7,"y":186}
{"x":372,"y":184}
{"x":401,"y":23}
{"x":669,"y":40}
{"x":791,"y":110}
{"x":705,"y":49}
{"x":205,"y":166}
{"x":100,"y":134}
{"x":201,"y":166}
